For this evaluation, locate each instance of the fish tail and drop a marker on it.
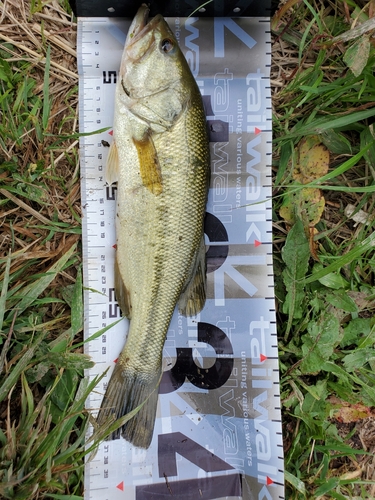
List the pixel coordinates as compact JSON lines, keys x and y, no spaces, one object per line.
{"x":128,"y":390}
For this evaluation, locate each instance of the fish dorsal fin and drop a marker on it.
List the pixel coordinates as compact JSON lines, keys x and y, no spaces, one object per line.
{"x":193,"y":296}
{"x":112,"y":166}
{"x":122,"y":293}
{"x":149,"y":164}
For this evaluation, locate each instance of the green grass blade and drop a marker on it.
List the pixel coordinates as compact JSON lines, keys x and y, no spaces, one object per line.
{"x":319,"y":125}
{"x":315,"y":15}
{"x":346,"y":189}
{"x":31,"y":292}
{"x":62,"y":497}
{"x":46,"y":98}
{"x":362,"y":247}
{"x":4,"y":290}
{"x":77,"y":304}
{"x":295,"y":482}
{"x":17,"y":370}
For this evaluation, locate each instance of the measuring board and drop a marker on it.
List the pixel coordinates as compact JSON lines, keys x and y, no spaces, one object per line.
{"x":219,"y":438}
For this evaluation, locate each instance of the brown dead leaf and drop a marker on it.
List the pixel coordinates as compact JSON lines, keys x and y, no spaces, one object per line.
{"x":363,"y":300}
{"x":313,"y":244}
{"x":306,"y":204}
{"x":347,"y":413}
{"x":312,"y":160}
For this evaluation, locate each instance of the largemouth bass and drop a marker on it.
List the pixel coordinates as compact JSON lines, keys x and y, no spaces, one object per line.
{"x":160,"y":159}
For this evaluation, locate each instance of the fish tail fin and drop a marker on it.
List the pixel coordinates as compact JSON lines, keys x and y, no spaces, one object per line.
{"x":128,"y":390}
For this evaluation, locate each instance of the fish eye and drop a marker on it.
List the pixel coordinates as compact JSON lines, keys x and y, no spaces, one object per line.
{"x":167,"y":45}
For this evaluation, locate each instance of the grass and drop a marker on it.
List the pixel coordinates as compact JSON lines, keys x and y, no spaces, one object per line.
{"x":42,"y":394}
{"x":323,"y":90}
{"x":324,"y":103}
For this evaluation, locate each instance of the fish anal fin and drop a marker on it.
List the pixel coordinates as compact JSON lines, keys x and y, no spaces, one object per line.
{"x":131,"y":390}
{"x":149,"y":164}
{"x":122,"y":293}
{"x":112,"y":166}
{"x":193,"y":297}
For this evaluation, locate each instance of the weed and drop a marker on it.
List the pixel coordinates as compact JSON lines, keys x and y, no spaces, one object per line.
{"x":42,"y":393}
{"x":324,"y":262}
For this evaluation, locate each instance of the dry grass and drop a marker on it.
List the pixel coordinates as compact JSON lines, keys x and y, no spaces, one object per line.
{"x":40,"y":261}
{"x":55,"y":193}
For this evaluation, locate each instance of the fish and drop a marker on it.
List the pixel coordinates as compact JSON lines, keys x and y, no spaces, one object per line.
{"x":160,"y":160}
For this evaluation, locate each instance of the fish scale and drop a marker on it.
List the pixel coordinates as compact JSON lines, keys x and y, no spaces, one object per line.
{"x":160,"y":158}
{"x":163,"y":281}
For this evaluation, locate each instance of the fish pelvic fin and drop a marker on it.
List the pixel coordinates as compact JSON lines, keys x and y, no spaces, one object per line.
{"x":112,"y":168}
{"x":122,"y":293}
{"x":149,"y":164}
{"x":127,"y":391}
{"x":193,"y":297}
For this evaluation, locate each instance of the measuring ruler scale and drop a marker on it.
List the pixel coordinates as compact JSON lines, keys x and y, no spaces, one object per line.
{"x":218,"y":427}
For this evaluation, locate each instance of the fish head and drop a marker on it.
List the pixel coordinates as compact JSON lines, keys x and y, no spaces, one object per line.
{"x":155,"y":80}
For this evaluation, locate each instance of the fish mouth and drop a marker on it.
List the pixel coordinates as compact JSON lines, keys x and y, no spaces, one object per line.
{"x":140,"y":38}
{"x":138,"y":23}
{"x":141,"y":25}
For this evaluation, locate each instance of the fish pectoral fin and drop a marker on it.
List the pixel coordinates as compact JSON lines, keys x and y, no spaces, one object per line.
{"x":149,"y":164}
{"x":193,"y":297}
{"x":112,"y":168}
{"x":122,"y":293}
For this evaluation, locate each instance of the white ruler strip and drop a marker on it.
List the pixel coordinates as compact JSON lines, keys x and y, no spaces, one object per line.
{"x":222,"y":438}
